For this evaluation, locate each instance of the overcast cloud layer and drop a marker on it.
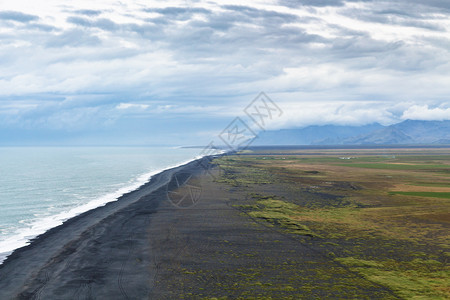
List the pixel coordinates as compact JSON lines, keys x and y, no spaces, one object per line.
{"x":146,"y":68}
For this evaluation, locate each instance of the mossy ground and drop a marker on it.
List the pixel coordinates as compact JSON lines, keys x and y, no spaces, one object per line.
{"x":353,"y":211}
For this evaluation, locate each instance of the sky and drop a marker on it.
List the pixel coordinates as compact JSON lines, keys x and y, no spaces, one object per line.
{"x":178,"y":72}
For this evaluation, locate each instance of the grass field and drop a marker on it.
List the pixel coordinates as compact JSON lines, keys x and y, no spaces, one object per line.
{"x":385,"y":216}
{"x":424,"y":194}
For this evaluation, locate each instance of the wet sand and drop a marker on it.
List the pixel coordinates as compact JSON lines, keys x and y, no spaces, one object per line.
{"x":144,"y":247}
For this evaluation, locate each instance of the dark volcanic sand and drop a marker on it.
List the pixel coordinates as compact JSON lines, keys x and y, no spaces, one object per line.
{"x":142,"y":247}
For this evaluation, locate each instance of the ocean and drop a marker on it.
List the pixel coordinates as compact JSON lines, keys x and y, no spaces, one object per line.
{"x":40,"y":187}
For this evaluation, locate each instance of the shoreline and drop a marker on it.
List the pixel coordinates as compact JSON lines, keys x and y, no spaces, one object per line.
{"x":17,"y":269}
{"x":86,"y":207}
{"x":260,"y":228}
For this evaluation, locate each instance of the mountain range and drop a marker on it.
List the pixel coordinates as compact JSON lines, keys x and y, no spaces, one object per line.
{"x":408,"y":132}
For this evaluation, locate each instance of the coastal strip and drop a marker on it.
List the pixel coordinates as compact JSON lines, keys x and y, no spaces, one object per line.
{"x":256,"y":227}
{"x":25,"y":273}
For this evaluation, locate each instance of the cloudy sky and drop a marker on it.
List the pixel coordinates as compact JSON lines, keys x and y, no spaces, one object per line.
{"x":177,"y":72}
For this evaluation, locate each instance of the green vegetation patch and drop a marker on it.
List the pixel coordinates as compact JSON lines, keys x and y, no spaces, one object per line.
{"x":432,"y":184}
{"x":280,"y":213}
{"x":416,"y":279}
{"x":444,"y":195}
{"x":242,"y":172}
{"x":397,"y":242}
{"x":395,"y":166}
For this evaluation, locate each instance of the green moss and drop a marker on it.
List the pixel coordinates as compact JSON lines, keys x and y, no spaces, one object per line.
{"x":443,"y":195}
{"x":416,"y":279}
{"x":382,"y":239}
{"x":355,"y":262}
{"x":189,"y":272}
{"x":280,"y":213}
{"x":432,"y":184}
{"x":240,"y":172}
{"x":394,"y":166}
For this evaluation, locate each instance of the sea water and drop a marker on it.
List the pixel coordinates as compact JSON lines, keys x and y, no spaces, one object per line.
{"x":42,"y":187}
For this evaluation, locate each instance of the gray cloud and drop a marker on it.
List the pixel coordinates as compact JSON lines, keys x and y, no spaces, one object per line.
{"x":442,"y":4}
{"x":88,"y":12}
{"x":220,"y":54}
{"x":196,"y":37}
{"x":177,"y":11}
{"x":17,"y":16}
{"x":238,"y":33}
{"x":41,"y":27}
{"x":319,"y":3}
{"x":80,"y":21}
{"x":101,"y":23}
{"x":152,"y":29}
{"x":400,"y":17}
{"x":251,"y":14}
{"x":158,"y":21}
{"x":73,"y":38}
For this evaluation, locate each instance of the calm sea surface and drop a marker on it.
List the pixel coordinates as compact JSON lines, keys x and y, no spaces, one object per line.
{"x":42,"y":187}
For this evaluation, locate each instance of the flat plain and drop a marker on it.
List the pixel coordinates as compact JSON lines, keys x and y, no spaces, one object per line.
{"x":383,"y":214}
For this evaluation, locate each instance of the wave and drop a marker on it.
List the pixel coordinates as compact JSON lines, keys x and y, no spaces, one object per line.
{"x":22,"y":237}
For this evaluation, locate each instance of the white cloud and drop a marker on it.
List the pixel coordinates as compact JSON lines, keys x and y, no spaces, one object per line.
{"x":344,"y":63}
{"x":302,"y":114}
{"x":132,"y":106}
{"x":424,"y":112}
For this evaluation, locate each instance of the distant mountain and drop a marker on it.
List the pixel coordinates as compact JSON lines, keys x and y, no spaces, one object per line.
{"x":388,"y":135}
{"x":314,"y":135}
{"x":407,"y":132}
{"x":425,"y":132}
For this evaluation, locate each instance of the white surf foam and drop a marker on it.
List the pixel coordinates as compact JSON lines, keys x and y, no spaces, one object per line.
{"x":39,"y":226}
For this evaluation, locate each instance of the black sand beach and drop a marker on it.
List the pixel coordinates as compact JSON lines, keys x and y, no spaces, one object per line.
{"x":94,"y":251}
{"x":144,"y":247}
